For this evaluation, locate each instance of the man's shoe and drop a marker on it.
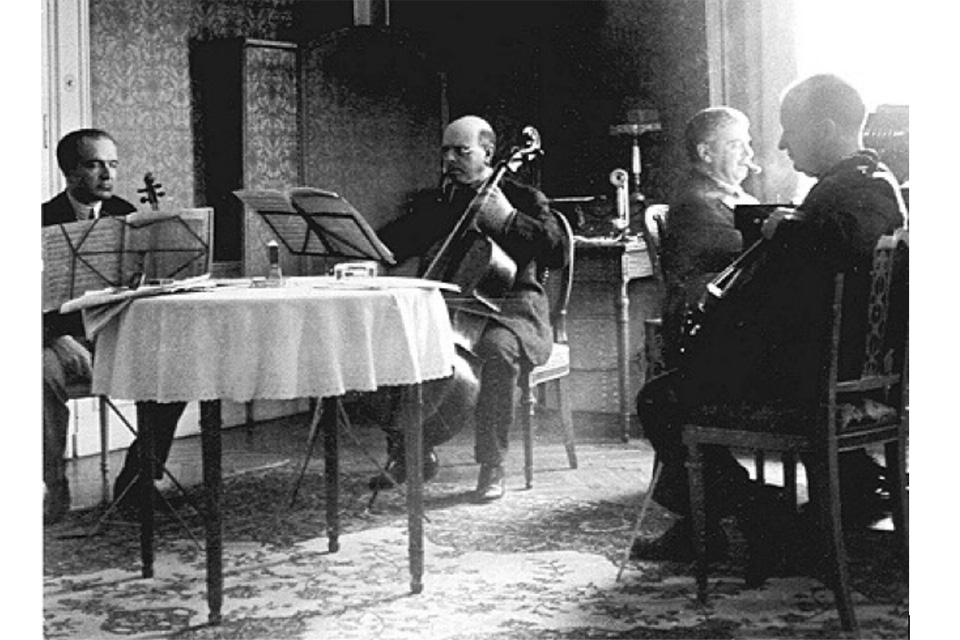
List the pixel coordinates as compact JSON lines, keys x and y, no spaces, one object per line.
{"x":56,"y":503}
{"x":397,"y":468}
{"x":126,"y":495}
{"x":676,"y":545}
{"x":491,"y":484}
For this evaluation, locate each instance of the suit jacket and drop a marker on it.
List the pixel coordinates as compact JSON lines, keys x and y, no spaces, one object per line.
{"x":58,"y":210}
{"x":533,"y":239}
{"x":764,"y":344}
{"x":699,"y":241}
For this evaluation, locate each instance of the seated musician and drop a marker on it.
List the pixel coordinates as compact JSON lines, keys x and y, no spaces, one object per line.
{"x":88,"y":160}
{"x":519,"y":220}
{"x":699,"y":238}
{"x":762,"y":346}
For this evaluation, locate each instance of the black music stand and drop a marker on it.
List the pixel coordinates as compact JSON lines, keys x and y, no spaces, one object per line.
{"x":81,"y":256}
{"x":313,"y":222}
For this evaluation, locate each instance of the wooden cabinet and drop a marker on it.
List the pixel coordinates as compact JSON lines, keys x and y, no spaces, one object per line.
{"x":247,"y":120}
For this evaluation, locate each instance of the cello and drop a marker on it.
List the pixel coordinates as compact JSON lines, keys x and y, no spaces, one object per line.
{"x":471,"y":259}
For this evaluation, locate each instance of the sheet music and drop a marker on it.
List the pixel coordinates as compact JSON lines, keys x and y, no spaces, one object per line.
{"x":312,"y":221}
{"x":91,"y":255}
{"x":81,"y":256}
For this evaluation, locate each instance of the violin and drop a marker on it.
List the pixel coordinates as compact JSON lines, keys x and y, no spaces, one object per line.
{"x":721,"y":290}
{"x":152,"y":191}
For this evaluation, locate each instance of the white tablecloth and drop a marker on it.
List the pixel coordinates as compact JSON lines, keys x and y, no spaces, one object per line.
{"x":311,"y":338}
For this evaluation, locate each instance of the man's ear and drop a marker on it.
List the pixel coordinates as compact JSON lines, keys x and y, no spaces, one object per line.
{"x":703,"y":151}
{"x":827,"y":129}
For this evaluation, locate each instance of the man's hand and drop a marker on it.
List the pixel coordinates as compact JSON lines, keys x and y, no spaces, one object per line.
{"x":74,"y":357}
{"x":495,"y":212}
{"x":769,"y":226}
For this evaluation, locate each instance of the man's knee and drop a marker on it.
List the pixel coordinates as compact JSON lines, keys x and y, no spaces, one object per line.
{"x":658,"y":410}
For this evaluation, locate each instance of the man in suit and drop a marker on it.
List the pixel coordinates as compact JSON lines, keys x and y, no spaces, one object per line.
{"x":518,"y":218}
{"x":763,"y":347}
{"x":88,"y":160}
{"x":699,"y":237}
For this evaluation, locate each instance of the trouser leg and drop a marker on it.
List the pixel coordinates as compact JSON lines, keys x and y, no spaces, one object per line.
{"x":727,"y":482}
{"x":500,"y":356}
{"x":448,"y":406}
{"x":163,"y":418}
{"x":56,"y":420}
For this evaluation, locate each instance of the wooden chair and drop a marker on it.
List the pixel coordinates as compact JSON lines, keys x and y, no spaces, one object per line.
{"x":654,"y":217}
{"x":556,"y":369}
{"x":80,"y":391}
{"x":871,"y":409}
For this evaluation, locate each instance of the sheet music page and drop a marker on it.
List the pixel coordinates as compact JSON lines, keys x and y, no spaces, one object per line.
{"x":81,"y":256}
{"x":266,"y":200}
{"x":345,"y":229}
{"x":168,"y":244}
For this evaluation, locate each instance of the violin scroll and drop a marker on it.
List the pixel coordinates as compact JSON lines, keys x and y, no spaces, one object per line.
{"x":153,"y":191}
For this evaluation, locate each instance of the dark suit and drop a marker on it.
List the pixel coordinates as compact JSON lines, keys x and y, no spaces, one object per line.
{"x":521,"y":332}
{"x":699,"y":240}
{"x":764,"y":347}
{"x":56,"y":415}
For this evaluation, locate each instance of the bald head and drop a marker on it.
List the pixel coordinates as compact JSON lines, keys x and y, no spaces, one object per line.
{"x":822,"y":119}
{"x":468,"y":147}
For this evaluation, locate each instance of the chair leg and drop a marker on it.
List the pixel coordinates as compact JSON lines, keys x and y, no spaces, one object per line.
{"x":527,"y":408}
{"x":759,"y":462}
{"x":826,"y":486}
{"x":789,"y":461}
{"x":699,"y":515}
{"x":566,"y":417}
{"x":104,"y":450}
{"x":647,"y":500}
{"x":895,"y":457}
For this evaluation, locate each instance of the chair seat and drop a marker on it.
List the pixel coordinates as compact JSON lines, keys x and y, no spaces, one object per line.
{"x":80,"y":389}
{"x":866,"y":413}
{"x":557,"y":366}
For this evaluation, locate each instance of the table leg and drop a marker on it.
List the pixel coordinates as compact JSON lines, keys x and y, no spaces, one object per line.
{"x":623,"y":349}
{"x":329,"y":422}
{"x":145,"y":484}
{"x":210,"y":424}
{"x":413,"y":428}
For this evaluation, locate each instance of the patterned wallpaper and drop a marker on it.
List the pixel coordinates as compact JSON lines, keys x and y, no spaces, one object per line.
{"x":140,"y":83}
{"x":372,"y":123}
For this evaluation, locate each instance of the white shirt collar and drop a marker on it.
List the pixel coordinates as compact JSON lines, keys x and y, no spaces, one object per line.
{"x":85,"y":211}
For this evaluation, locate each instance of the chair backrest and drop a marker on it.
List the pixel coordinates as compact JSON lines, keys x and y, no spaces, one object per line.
{"x":654,"y":223}
{"x":559,"y":284}
{"x":885,"y":352}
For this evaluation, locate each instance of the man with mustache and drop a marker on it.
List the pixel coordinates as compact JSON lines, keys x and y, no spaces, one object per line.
{"x":518,"y":218}
{"x":763,"y":348}
{"x":699,"y":238}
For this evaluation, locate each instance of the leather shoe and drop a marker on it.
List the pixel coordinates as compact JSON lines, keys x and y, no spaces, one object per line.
{"x":126,"y":495}
{"x":676,"y":545}
{"x":56,"y":503}
{"x":491,"y":483}
{"x":397,"y":468}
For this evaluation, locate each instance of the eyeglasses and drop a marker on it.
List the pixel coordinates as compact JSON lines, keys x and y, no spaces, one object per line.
{"x":459,"y":149}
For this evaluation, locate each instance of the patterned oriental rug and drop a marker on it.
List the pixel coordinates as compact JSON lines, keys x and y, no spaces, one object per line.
{"x":538,"y":564}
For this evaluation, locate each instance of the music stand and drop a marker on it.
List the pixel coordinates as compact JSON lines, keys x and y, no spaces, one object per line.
{"x":313,"y":222}
{"x":168,"y":245}
{"x":79,"y":257}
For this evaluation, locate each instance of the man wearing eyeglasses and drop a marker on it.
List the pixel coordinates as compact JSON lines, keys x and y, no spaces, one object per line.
{"x":518,"y":218}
